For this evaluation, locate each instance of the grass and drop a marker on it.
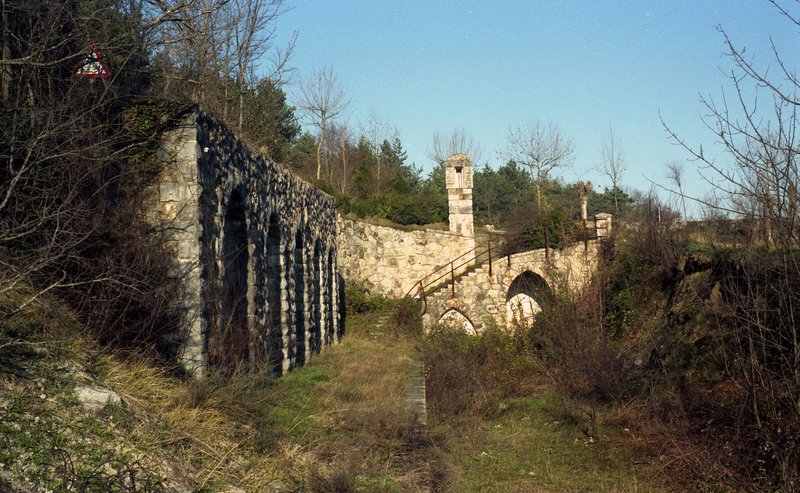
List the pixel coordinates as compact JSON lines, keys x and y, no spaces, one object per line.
{"x":532,"y":446}
{"x":340,"y":423}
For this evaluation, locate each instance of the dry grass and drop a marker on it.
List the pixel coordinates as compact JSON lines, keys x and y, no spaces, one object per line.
{"x":341,"y":423}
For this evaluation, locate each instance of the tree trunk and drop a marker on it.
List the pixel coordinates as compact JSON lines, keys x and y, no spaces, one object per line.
{"x":344,"y":165}
{"x":319,"y":151}
{"x":241,"y":105}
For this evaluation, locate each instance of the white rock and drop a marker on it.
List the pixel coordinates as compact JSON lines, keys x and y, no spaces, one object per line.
{"x":96,"y":398}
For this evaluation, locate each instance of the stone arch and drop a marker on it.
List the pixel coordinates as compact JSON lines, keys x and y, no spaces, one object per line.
{"x":525,"y":296}
{"x":273,"y":288}
{"x":340,"y":305}
{"x":330,"y":298}
{"x":457,"y":320}
{"x":230,"y":342}
{"x":316,"y":304}
{"x":299,"y":268}
{"x":286,"y":332}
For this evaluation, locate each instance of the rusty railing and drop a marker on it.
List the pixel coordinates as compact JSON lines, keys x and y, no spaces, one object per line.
{"x":476,"y":257}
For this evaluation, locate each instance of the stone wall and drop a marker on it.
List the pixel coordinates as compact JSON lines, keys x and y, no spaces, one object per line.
{"x":255,"y":247}
{"x":391,"y":261}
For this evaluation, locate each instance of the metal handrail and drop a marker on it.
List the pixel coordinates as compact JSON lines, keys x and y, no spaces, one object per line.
{"x":421,"y":287}
{"x":449,"y":266}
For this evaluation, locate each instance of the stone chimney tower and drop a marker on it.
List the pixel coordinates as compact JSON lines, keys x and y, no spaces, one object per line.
{"x":458,"y":179}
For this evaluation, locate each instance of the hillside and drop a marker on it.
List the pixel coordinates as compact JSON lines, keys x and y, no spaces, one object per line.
{"x":341,"y":423}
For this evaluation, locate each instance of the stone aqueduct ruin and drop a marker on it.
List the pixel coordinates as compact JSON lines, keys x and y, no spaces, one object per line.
{"x":255,"y":249}
{"x":262,"y":256}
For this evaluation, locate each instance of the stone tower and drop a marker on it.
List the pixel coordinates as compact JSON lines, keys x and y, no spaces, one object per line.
{"x":458,"y":179}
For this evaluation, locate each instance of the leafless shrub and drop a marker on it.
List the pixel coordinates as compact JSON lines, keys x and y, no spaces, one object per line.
{"x":470,"y":374}
{"x":576,"y":351}
{"x":758,"y":187}
{"x":70,"y":179}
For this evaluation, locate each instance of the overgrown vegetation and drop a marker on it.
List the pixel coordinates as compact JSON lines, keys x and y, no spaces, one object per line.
{"x":491,"y":400}
{"x":689,"y":361}
{"x":682,"y":356}
{"x":340,"y":423}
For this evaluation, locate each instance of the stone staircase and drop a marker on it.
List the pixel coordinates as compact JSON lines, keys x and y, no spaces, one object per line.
{"x":478,"y":294}
{"x":416,"y":387}
{"x":475,"y":283}
{"x":415,"y":390}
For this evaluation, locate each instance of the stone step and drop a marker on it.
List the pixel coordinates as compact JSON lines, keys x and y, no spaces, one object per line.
{"x":417,"y":401}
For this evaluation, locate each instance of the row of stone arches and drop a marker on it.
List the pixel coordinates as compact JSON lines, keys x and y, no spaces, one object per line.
{"x":278,"y":293}
{"x":525,"y":297}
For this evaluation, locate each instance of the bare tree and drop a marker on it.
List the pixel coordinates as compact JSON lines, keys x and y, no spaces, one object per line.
{"x":675,"y":175}
{"x":344,"y":134}
{"x":374,"y":132}
{"x":70,"y":218}
{"x":337,"y":146}
{"x":760,"y":139}
{"x":756,"y":123}
{"x":612,"y":164}
{"x":457,"y":142}
{"x":323,"y":100}
{"x":252,"y":31}
{"x":211,"y":48}
{"x":542,"y":148}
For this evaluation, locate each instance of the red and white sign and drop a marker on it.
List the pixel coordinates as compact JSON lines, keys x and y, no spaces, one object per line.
{"x":92,"y":67}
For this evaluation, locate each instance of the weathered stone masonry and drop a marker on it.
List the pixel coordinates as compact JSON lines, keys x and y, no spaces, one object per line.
{"x":256,"y":250}
{"x":390,"y":261}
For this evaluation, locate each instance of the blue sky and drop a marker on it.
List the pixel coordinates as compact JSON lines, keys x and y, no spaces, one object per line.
{"x":484,"y":66}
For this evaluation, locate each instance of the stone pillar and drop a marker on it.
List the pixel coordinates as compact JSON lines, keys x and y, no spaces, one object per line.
{"x":173,"y":205}
{"x":458,"y":179}
{"x":603,"y":225}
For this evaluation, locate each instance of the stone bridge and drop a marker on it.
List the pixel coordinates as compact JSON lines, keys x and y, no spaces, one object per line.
{"x":512,"y":290}
{"x":396,"y":263}
{"x":255,"y":251}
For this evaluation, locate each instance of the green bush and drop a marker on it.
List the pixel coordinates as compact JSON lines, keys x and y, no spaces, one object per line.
{"x":360,"y":300}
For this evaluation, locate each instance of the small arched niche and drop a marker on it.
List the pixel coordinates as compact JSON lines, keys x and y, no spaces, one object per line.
{"x":273,"y":285}
{"x":457,"y":320}
{"x":315,"y":339}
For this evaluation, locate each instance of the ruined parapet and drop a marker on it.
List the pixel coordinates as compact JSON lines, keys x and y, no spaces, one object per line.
{"x":458,"y":180}
{"x":602,"y":225}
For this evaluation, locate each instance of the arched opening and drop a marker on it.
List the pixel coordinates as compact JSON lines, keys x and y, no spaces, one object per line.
{"x":527,"y":293}
{"x":232,"y":344}
{"x":316,"y":308}
{"x":330,"y":294}
{"x":273,"y":283}
{"x":341,"y":305}
{"x":459,"y":183}
{"x":457,"y":320}
{"x":299,"y":300}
